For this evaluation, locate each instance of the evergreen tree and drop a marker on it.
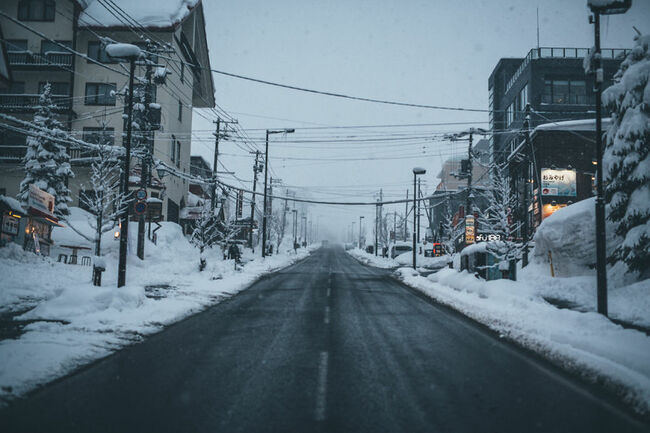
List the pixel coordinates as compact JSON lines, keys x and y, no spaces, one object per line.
{"x":47,"y":163}
{"x":626,"y":161}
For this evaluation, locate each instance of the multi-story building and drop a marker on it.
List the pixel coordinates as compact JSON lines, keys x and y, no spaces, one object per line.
{"x":552,"y":81}
{"x":89,"y":92}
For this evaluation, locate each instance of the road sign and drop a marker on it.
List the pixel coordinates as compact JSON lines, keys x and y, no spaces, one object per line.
{"x":141,"y":194}
{"x":140,"y":207}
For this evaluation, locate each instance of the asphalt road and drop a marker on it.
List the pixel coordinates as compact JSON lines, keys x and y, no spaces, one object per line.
{"x":326,"y":345}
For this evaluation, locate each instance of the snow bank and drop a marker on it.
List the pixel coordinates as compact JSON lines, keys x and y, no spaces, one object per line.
{"x":583,"y":342}
{"x":166,"y":13}
{"x":124,"y":51}
{"x":75,"y":322}
{"x":401,"y":260}
{"x":372,"y":260}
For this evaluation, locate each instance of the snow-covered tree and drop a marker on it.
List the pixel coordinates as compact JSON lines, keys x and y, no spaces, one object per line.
{"x":495,"y":219}
{"x":277,"y":226}
{"x":626,"y":163}
{"x":102,"y":197}
{"x":449,"y":231}
{"x":206,"y":232}
{"x":47,"y":163}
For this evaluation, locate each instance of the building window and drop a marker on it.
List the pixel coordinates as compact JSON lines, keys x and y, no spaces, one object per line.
{"x":564,"y":91}
{"x":98,"y":53}
{"x":100,"y":94}
{"x":172,"y":149}
{"x":178,"y":154}
{"x":99,"y":135}
{"x":523,"y":99}
{"x":180,"y":111}
{"x":36,"y":10}
{"x":52,"y":47}
{"x":16,"y":45}
{"x":510,"y":115}
{"x":15,"y":88}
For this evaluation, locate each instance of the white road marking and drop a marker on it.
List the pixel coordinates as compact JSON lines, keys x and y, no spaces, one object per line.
{"x":329,"y":291}
{"x":327,"y":316}
{"x":321,"y":391}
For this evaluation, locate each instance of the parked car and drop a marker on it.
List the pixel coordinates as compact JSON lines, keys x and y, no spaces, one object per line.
{"x":399,"y":248}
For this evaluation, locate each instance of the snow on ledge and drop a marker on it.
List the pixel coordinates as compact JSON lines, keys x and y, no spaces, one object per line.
{"x":573,"y":125}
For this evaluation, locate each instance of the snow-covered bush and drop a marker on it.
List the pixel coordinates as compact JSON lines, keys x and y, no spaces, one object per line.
{"x":47,"y":163}
{"x":626,"y":161}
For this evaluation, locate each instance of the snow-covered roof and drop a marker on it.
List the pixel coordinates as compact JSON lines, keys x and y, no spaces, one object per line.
{"x":158,"y":14}
{"x":12,"y":204}
{"x":572,"y":125}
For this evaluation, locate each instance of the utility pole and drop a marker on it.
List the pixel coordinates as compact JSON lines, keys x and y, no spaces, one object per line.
{"x":256,"y":169}
{"x":147,"y":139}
{"x":526,"y":126}
{"x":376,"y":227}
{"x":406,"y":212}
{"x":394,"y":226}
{"x":124,"y":229}
{"x":217,"y":135}
{"x":266,"y":175}
{"x":468,"y":209}
{"x":419,"y":207}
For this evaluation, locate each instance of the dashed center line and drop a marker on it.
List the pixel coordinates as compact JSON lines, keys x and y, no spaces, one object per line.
{"x":329,"y":291}
{"x":326,"y":319}
{"x":321,"y":390}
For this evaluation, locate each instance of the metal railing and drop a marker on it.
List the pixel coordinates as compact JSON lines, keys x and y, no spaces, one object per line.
{"x":31,"y":102}
{"x":12,"y":153}
{"x":562,"y":53}
{"x":25,"y":58}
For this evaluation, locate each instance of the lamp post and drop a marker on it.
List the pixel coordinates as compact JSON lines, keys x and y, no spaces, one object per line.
{"x":132,"y":56}
{"x":295,"y":231}
{"x":360,"y":218}
{"x":610,"y":8}
{"x":416,"y":171}
{"x":266,"y":177}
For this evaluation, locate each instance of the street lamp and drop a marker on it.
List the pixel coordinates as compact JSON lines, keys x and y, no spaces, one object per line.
{"x":416,"y":171}
{"x":360,"y":218}
{"x":130,"y":53}
{"x":604,"y":8}
{"x":266,"y":176}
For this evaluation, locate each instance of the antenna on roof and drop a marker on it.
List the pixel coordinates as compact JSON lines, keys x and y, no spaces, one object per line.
{"x":538,"y":29}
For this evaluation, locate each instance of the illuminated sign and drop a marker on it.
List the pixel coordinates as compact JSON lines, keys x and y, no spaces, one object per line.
{"x":40,"y":200}
{"x":558,"y":182}
{"x":484,"y":237}
{"x":469,"y":229}
{"x":549,"y":209}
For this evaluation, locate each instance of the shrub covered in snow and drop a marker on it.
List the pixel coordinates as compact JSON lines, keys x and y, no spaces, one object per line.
{"x":627,"y":158}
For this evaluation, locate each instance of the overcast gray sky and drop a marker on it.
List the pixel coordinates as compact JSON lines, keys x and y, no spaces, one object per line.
{"x":426,"y":52}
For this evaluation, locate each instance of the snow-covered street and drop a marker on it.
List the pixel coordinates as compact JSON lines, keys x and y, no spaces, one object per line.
{"x":68,"y":322}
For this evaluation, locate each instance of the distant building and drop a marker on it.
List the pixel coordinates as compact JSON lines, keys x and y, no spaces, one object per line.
{"x":86,"y":92}
{"x":450,"y":195}
{"x":552,"y":81}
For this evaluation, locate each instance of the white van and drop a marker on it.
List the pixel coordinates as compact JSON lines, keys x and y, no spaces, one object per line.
{"x":399,"y":248}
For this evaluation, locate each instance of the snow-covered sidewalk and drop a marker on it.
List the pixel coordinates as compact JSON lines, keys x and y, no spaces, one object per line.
{"x":585,"y":343}
{"x":72,"y":322}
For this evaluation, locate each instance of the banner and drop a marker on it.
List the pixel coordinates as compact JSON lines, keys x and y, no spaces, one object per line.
{"x":40,"y":200}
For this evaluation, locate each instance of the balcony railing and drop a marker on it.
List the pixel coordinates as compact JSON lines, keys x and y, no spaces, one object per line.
{"x":24,"y":102}
{"x":12,"y":153}
{"x":563,"y":53}
{"x":26,"y":59}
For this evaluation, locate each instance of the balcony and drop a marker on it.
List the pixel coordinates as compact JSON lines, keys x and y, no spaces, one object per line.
{"x":12,"y":153}
{"x":26,"y":103}
{"x":563,"y":53}
{"x":50,"y":60}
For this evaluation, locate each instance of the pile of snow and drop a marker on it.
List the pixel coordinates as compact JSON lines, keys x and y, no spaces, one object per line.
{"x":405,"y":259}
{"x":76,"y":322}
{"x":166,"y":13}
{"x":372,"y":260}
{"x":584,"y":342}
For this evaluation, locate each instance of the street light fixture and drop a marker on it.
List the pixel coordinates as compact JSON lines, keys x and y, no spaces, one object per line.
{"x":266,"y":177}
{"x":360,"y":218}
{"x":598,"y":8}
{"x":416,"y":172}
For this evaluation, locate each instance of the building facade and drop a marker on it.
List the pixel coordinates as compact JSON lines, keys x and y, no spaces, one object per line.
{"x":552,"y":81}
{"x":88,"y":88}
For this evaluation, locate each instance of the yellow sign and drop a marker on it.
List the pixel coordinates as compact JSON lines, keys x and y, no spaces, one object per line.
{"x":469,"y":229}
